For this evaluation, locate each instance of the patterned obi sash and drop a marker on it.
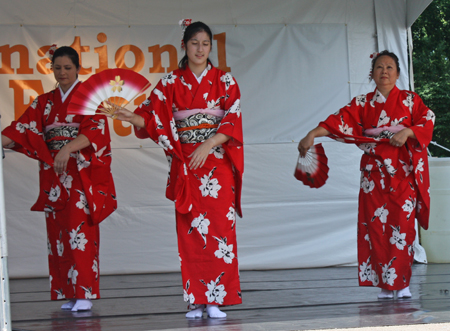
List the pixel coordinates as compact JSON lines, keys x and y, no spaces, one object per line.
{"x":383,"y":132}
{"x":57,"y":135}
{"x":197,"y":125}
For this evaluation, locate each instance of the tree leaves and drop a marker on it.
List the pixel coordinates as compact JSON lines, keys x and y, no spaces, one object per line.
{"x":431,"y":61}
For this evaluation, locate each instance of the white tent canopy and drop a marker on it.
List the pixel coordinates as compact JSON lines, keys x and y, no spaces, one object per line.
{"x":295,"y":61}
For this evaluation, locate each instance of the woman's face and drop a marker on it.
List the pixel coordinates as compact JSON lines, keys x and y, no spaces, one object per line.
{"x":198,"y":49}
{"x":385,"y":73}
{"x":65,"y":72}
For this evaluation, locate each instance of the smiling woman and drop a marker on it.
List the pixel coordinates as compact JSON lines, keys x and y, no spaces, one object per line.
{"x":393,"y":127}
{"x":194,"y":114}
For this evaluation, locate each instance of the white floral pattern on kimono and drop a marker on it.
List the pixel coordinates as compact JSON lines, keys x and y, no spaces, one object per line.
{"x":60,"y":294}
{"x":228,"y":80}
{"x":95,"y":268}
{"x":389,"y":168}
{"x":164,"y":142}
{"x":159,"y":125}
{"x":345,"y":129}
{"x":408,"y":102}
{"x":60,"y":245}
{"x":419,"y":169}
{"x":231,"y":215}
{"x":384,"y":119}
{"x":398,"y":239}
{"x":201,"y":224}
{"x":77,"y":239}
{"x":381,"y":213}
{"x":168,"y":79}
{"x":54,"y":193}
{"x":388,"y":273}
{"x":49,"y":247}
{"x":361,"y":100}
{"x":210,"y":186}
{"x":218,"y":152}
{"x":72,"y":276}
{"x":188,"y":297}
{"x":215,"y":292}
{"x":409,"y":206}
{"x":365,"y":272}
{"x":430,"y":116}
{"x":224,"y":251}
{"x":82,"y":162}
{"x":88,"y":293}
{"x":367,"y":185}
{"x":83,"y":204}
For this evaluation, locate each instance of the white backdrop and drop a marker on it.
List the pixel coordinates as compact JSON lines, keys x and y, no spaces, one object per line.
{"x":295,"y":62}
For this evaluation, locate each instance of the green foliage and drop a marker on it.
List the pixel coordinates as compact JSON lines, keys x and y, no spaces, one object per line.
{"x":431,"y":61}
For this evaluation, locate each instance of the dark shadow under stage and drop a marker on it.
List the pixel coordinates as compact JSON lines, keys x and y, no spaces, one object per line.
{"x":299,"y":299}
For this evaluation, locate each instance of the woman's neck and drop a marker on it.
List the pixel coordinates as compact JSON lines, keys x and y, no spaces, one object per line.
{"x":384,"y":91}
{"x":197,"y":70}
{"x":66,"y":88}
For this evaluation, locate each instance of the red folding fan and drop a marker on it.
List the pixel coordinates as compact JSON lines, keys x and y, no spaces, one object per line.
{"x":312,"y":169}
{"x":105,"y":92}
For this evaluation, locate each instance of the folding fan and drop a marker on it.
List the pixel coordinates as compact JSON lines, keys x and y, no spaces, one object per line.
{"x":105,"y":92}
{"x":312,"y":169}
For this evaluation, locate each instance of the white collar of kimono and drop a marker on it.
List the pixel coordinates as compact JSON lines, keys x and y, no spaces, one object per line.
{"x":65,"y":95}
{"x":380,"y":97}
{"x":199,"y":79}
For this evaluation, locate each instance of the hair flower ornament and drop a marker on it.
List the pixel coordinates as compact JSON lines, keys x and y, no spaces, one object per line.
{"x":51,"y":51}
{"x":184,"y":23}
{"x":373,"y":56}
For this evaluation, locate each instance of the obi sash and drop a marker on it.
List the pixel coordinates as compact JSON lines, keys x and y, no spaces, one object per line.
{"x":57,"y":135}
{"x":383,"y":132}
{"x":197,"y":125}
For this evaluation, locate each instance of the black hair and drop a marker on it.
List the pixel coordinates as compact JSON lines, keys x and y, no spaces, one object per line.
{"x":69,"y":52}
{"x":387,"y":53}
{"x":190,"y":32}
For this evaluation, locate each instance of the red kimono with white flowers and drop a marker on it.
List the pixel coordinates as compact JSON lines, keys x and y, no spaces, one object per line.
{"x":206,"y":199}
{"x":74,"y":202}
{"x":394,"y":181}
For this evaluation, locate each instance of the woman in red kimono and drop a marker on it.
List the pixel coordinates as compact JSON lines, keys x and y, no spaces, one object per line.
{"x":393,"y":127}
{"x":76,"y":186}
{"x":194,"y":115}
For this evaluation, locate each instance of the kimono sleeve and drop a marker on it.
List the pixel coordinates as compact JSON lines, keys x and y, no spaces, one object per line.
{"x":160,"y":127}
{"x":347,"y":122}
{"x":28,"y":133}
{"x":96,"y":129}
{"x":154,"y":111}
{"x":94,"y":165}
{"x":231,"y":124}
{"x":423,"y":123}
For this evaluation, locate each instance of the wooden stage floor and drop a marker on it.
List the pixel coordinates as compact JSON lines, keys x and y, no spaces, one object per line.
{"x":300,"y":299}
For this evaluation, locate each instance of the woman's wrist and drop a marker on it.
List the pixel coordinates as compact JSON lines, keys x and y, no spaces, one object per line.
{"x":411,"y":133}
{"x":7,"y":142}
{"x":67,"y":148}
{"x":137,"y":120}
{"x":211,"y":142}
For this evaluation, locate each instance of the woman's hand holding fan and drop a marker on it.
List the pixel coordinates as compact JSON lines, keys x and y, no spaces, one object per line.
{"x":107,"y":91}
{"x":312,"y":169}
